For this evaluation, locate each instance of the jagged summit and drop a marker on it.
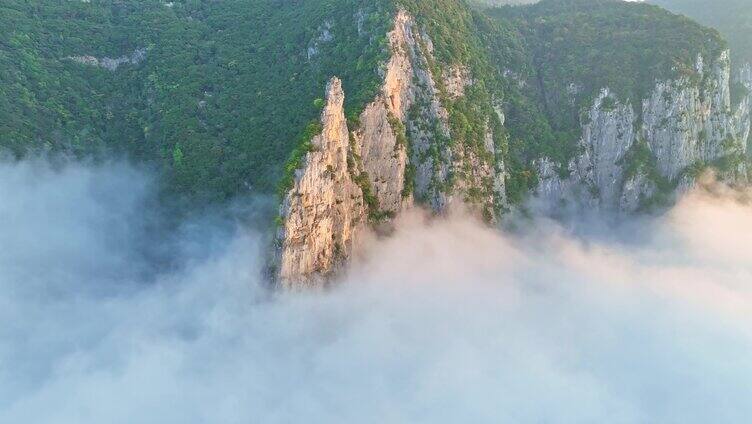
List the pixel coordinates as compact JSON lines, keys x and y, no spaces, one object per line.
{"x":636,"y":143}
{"x":324,"y":204}
{"x":395,"y":153}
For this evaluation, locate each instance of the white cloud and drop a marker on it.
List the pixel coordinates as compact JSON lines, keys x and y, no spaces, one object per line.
{"x":445,"y":321}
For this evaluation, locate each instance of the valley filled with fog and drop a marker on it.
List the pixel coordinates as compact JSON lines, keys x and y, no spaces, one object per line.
{"x":109,"y":316}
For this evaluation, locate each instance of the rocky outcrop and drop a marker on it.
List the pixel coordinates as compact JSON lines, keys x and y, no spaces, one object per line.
{"x":745,"y":75}
{"x":325,"y":206}
{"x":686,"y":123}
{"x":371,"y":167}
{"x":427,"y":120}
{"x":455,"y":81}
{"x":744,"y":108}
{"x":626,"y":159}
{"x":398,"y":153}
{"x":109,"y":63}
{"x":478,"y":177}
{"x":414,"y":104}
{"x":324,"y":36}
{"x":445,"y":172}
{"x":380,"y":140}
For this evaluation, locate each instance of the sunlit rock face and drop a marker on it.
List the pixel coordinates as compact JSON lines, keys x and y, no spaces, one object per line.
{"x":626,"y":160}
{"x":685,"y":123}
{"x":743,"y":110}
{"x":324,"y":206}
{"x":380,"y":140}
{"x":370,"y":165}
{"x":359,"y":174}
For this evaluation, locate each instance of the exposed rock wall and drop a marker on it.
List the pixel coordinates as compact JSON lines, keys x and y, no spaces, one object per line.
{"x":686,"y":124}
{"x":369,"y":164}
{"x":380,"y":139}
{"x":413,"y":102}
{"x":445,"y":172}
{"x":607,"y":136}
{"x":456,"y":79}
{"x":479,"y":183}
{"x":383,"y":158}
{"x":324,"y":208}
{"x":357,"y":175}
{"x":109,"y":63}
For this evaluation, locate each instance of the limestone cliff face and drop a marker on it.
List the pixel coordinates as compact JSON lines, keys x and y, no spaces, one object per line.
{"x":398,"y":153}
{"x":380,"y":139}
{"x":112,"y":64}
{"x":444,"y":172}
{"x":426,"y":118}
{"x":625,"y":160}
{"x":686,"y":123}
{"x":744,"y":109}
{"x":353,"y":174}
{"x":323,"y":209}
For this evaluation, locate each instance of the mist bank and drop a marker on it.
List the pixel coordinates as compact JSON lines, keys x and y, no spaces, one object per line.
{"x":109,"y":317}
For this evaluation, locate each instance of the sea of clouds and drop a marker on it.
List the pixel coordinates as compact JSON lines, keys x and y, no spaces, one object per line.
{"x":106,"y":316}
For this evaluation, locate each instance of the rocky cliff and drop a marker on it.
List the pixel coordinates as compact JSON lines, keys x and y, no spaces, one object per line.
{"x":632,"y":155}
{"x":397,"y":153}
{"x":325,"y":206}
{"x":435,"y":134}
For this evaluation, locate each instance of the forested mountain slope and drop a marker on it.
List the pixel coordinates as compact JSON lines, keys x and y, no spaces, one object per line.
{"x":219,"y":99}
{"x":733,"y":18}
{"x":620,"y":101}
{"x":353,"y":110}
{"x":597,"y":103}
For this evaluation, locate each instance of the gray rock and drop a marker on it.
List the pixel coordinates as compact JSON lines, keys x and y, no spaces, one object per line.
{"x":684,"y":123}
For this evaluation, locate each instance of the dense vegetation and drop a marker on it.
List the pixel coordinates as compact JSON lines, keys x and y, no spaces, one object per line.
{"x":225,"y":99}
{"x":558,"y":54}
{"x":221,"y":99}
{"x":733,"y":18}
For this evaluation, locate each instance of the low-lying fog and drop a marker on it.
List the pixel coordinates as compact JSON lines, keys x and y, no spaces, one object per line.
{"x":108,"y":318}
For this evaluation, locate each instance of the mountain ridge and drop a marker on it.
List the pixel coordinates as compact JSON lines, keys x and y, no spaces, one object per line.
{"x":594,"y":103}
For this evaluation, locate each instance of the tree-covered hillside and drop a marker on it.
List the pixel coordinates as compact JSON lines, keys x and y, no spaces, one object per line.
{"x":220,"y":100}
{"x":571,"y":49}
{"x":496,"y":3}
{"x":218,"y":94}
{"x":733,"y":18}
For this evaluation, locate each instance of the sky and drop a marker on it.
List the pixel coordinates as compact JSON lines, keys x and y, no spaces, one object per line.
{"x":110,"y":316}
